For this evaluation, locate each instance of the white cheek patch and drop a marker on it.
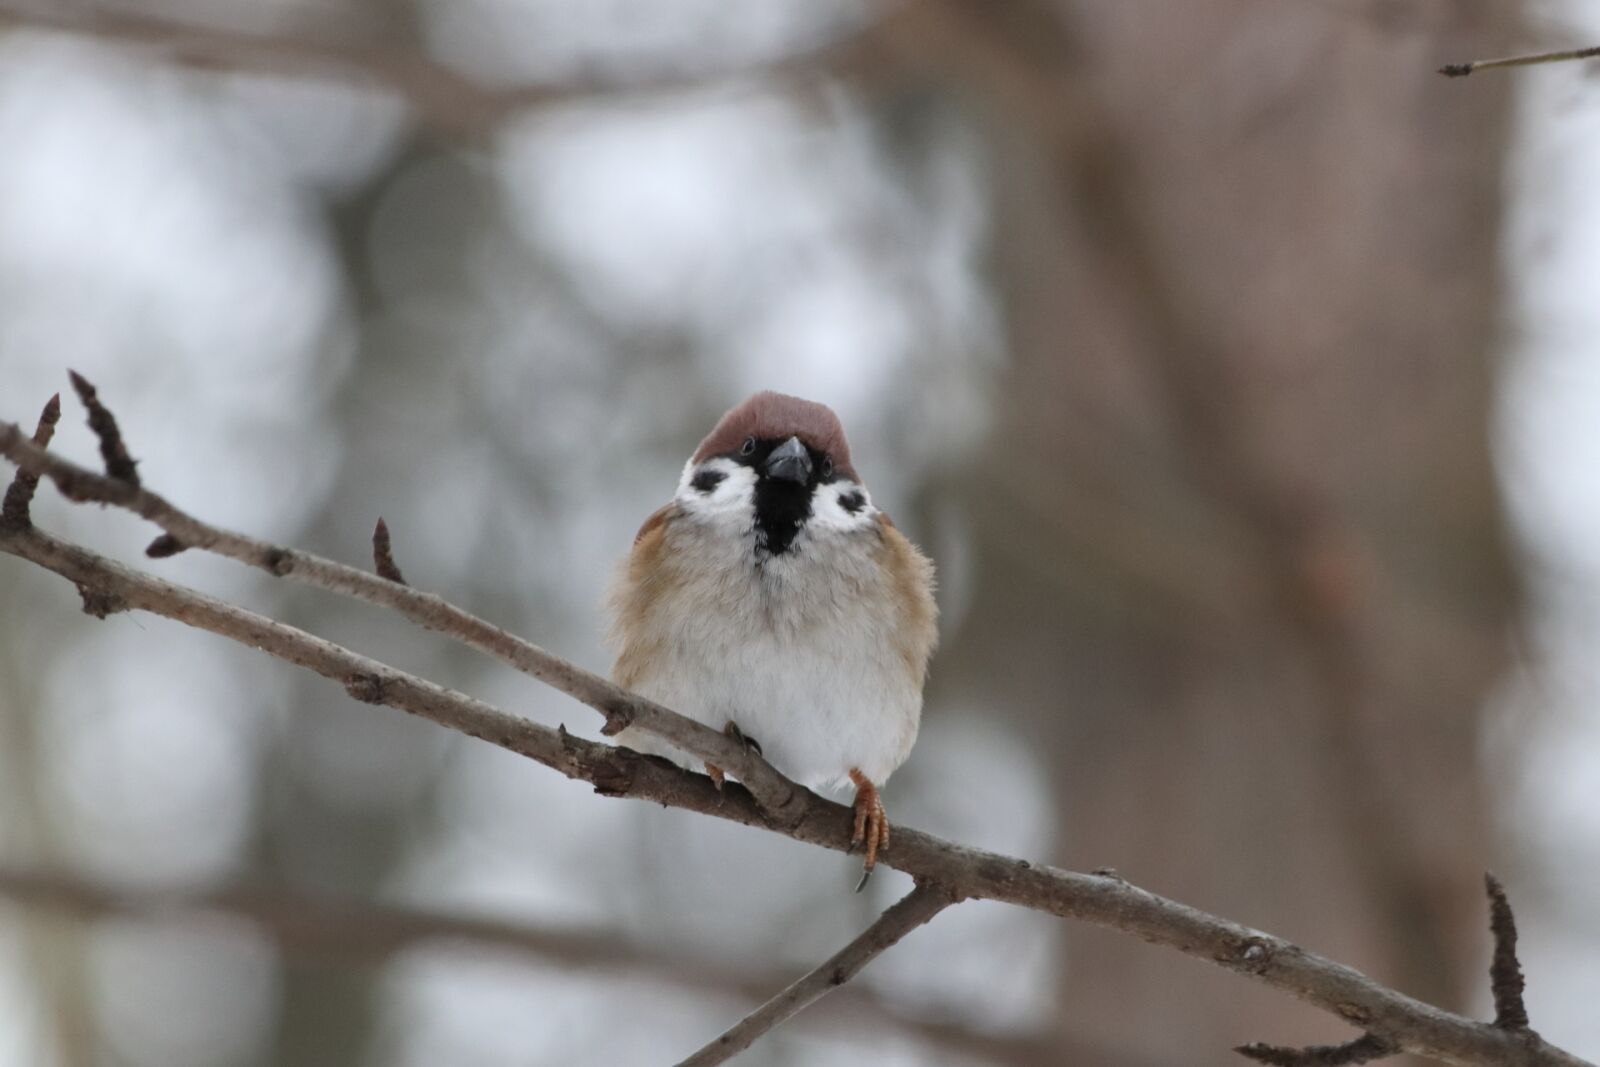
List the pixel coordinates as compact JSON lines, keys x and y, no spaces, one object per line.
{"x":829,"y":510}
{"x":731,"y":498}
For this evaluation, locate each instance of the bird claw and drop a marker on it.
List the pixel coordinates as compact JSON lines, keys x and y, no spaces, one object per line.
{"x":732,"y":730}
{"x":871,"y":828}
{"x":718,"y":776}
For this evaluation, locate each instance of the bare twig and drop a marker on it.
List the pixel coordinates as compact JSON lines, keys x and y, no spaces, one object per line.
{"x":620,"y":707}
{"x":970,"y":873}
{"x":119,"y":465}
{"x":383,"y":555}
{"x":1505,"y":973}
{"x":1363,"y":1049}
{"x":19,"y":494}
{"x":1461,"y":70}
{"x":917,"y":907}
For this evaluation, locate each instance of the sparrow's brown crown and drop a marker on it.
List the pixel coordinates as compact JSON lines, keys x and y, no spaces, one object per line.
{"x":770,"y":416}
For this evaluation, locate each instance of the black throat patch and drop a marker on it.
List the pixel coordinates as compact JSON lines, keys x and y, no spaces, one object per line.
{"x":781,"y":509}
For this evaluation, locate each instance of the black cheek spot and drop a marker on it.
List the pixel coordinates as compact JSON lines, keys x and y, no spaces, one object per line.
{"x":852,"y":501}
{"x":706,"y":480}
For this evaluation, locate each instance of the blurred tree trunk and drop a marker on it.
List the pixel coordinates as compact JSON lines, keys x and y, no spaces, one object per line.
{"x":1243,"y":543}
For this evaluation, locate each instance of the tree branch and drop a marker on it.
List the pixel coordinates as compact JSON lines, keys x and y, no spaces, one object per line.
{"x":1103,"y":900}
{"x":1461,"y":70}
{"x":620,"y":707}
{"x":1108,"y":901}
{"x":1505,"y":984}
{"x":914,"y":909}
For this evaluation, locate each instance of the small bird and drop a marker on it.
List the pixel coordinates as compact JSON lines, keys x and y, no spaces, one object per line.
{"x":771,"y":600}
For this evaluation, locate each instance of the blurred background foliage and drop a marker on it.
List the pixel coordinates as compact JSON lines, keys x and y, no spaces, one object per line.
{"x":1208,"y":348}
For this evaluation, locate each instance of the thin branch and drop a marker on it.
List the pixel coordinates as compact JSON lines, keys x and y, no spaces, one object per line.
{"x":1461,"y":70}
{"x":914,"y":909}
{"x":19,"y":494}
{"x":383,"y":555}
{"x":970,"y":873}
{"x":437,"y":94}
{"x":1505,"y":973}
{"x":1364,"y":1049}
{"x":620,"y":707}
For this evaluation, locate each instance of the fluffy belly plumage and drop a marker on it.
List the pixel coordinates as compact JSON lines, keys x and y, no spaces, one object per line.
{"x":817,"y":654}
{"x":816,"y":709}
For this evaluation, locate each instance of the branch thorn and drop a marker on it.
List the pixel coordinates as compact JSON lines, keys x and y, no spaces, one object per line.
{"x":164,"y":546}
{"x":19,"y":495}
{"x":383,"y":555}
{"x":1505,"y":973}
{"x":119,"y":464}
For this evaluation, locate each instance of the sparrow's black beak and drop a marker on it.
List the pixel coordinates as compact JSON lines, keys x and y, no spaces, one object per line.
{"x":790,"y":462}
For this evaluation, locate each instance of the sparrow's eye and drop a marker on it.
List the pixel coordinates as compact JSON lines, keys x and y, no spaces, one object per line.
{"x":827,"y":466}
{"x":748,"y":447}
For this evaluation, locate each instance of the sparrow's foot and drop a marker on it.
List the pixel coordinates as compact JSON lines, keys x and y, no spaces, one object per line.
{"x":872,"y":823}
{"x":733,"y":731}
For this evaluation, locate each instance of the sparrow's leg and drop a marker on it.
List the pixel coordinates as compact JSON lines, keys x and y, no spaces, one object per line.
{"x":872,"y":822}
{"x":717,"y":777}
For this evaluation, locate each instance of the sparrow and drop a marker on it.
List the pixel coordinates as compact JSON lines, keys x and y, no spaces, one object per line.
{"x":771,"y":600}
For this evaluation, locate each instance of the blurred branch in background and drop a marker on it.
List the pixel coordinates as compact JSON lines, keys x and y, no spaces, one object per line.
{"x":366,"y":932}
{"x":958,"y":872}
{"x":439,"y":95}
